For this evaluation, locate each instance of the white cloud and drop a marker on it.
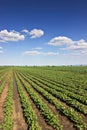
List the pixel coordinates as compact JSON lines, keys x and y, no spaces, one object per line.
{"x":1,"y":47}
{"x":37,"y":48}
{"x":59,"y":41}
{"x":69,"y":44}
{"x":6,"y":36}
{"x":34,"y":53}
{"x":25,"y":31}
{"x":35,"y":33}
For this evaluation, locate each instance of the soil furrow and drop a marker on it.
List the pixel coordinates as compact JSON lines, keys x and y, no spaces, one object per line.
{"x":2,"y":102}
{"x":64,"y":121}
{"x":18,"y":119}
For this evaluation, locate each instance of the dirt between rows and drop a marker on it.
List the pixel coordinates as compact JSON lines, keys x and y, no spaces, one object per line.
{"x":2,"y":102}
{"x":64,"y":121}
{"x":18,"y":119}
{"x":41,"y":120}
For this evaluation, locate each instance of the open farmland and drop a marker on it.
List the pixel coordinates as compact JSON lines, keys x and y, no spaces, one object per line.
{"x":43,"y":98}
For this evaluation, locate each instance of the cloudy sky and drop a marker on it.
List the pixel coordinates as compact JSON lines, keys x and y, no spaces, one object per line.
{"x":43,"y":32}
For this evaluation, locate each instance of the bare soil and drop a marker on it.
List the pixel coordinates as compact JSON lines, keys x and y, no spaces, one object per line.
{"x":84,"y":117}
{"x":18,"y":119}
{"x":2,"y":102}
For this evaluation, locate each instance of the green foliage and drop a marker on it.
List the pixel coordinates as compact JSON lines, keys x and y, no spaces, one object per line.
{"x":64,"y":95}
{"x":28,"y":111}
{"x":66,"y":83}
{"x":2,"y":86}
{"x":69,"y":112}
{"x":50,"y":118}
{"x":8,"y":107}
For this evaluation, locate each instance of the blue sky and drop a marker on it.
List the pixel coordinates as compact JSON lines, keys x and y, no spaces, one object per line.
{"x":43,"y":32}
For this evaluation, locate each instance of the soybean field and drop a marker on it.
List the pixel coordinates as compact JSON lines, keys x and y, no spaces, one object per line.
{"x":43,"y":98}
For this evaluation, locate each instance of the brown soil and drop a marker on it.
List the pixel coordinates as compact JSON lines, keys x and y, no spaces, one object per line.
{"x":84,"y":117}
{"x":64,"y":121}
{"x":2,"y":101}
{"x":18,"y":119}
{"x":41,"y":120}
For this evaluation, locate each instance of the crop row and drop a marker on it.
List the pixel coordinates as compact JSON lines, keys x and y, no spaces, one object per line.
{"x":3,"y":86}
{"x":28,"y":111}
{"x":48,"y":115}
{"x":61,"y":85}
{"x":67,"y":86}
{"x":62,"y":89}
{"x":62,"y":96}
{"x":67,"y":96}
{"x":1,"y":77}
{"x":69,"y":112}
{"x":8,"y":108}
{"x":59,"y":77}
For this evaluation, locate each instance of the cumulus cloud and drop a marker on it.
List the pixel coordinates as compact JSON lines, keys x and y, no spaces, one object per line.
{"x":34,"y":53}
{"x":35,"y":33}
{"x":66,"y":43}
{"x":25,"y":31}
{"x":12,"y":35}
{"x":59,"y":41}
